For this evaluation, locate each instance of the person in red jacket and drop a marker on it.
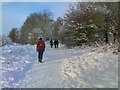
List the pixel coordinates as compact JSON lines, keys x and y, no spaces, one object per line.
{"x":40,"y":49}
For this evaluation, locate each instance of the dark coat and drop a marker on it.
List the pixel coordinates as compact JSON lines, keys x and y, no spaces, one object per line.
{"x":51,"y":42}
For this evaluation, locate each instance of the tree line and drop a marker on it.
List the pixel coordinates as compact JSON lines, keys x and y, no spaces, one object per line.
{"x":84,"y":23}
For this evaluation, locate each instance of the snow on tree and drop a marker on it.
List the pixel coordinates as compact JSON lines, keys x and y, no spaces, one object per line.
{"x":91,"y":19}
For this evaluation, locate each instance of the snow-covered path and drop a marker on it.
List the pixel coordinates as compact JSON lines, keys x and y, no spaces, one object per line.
{"x":74,"y":68}
{"x":44,"y":76}
{"x":79,"y":67}
{"x":48,"y":74}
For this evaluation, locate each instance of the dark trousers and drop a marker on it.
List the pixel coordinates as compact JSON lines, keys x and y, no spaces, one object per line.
{"x":55,"y":45}
{"x":40,"y":55}
{"x":51,"y":46}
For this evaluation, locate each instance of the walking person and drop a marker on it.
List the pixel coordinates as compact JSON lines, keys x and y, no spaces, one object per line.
{"x":57,"y":43}
{"x":40,"y":49}
{"x":51,"y":43}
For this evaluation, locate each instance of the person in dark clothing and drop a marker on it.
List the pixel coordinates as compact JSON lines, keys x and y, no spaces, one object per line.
{"x":51,"y":43}
{"x":57,"y":43}
{"x":40,"y":49}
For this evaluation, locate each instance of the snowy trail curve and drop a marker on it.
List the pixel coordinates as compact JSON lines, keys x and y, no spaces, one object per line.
{"x":74,"y":68}
{"x":86,"y":67}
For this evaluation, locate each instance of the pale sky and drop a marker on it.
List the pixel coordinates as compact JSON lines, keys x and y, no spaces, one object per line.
{"x":15,"y":13}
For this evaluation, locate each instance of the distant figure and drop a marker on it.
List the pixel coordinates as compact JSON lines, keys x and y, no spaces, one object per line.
{"x":57,"y":43}
{"x":40,"y":49}
{"x":51,"y":43}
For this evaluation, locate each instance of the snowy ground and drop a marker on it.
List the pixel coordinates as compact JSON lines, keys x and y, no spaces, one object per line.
{"x":88,"y":67}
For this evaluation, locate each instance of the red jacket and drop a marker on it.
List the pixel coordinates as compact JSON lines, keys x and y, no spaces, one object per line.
{"x":40,"y":45}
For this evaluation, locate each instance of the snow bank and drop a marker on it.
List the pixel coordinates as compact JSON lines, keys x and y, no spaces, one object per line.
{"x":86,"y":67}
{"x":16,"y":61}
{"x":91,"y":70}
